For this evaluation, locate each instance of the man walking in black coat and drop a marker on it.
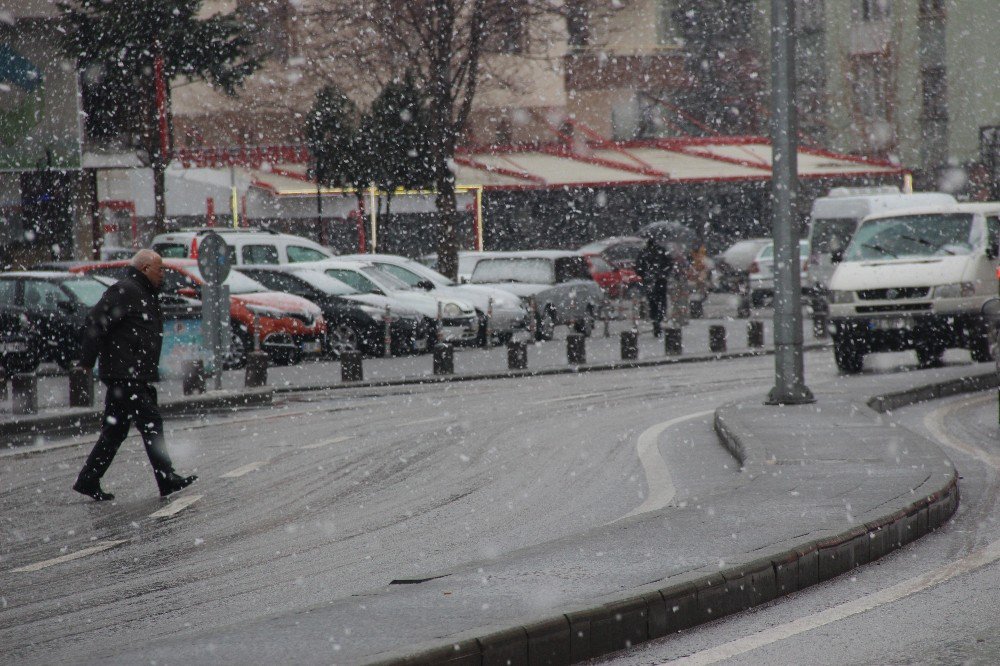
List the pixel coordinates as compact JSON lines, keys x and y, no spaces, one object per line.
{"x":125,"y":332}
{"x":655,"y":266}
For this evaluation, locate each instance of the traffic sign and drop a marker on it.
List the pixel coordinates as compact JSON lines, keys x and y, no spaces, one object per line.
{"x":214,"y":260}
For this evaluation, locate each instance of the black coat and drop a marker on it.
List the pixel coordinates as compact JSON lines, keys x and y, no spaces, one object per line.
{"x":654,"y":266}
{"x":124,"y":331}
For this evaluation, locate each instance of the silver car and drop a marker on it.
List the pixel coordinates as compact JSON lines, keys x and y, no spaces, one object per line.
{"x":556,"y":283}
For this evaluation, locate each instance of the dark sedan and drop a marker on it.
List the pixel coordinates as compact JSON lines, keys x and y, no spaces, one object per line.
{"x":19,"y":341}
{"x":352,"y":323}
{"x":56,"y":305}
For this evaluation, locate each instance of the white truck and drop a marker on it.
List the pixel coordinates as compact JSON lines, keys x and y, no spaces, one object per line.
{"x":916,"y":279}
{"x":835,"y":218}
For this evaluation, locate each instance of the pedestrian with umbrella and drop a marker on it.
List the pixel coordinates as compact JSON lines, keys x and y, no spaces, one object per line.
{"x":655,"y":267}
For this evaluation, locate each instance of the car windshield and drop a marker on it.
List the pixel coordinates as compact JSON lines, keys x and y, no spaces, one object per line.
{"x":928,"y":235}
{"x":237,"y":282}
{"x":767,"y":252}
{"x":326,"y":283}
{"x":412,"y":273}
{"x":531,"y":271}
{"x":384,"y":279}
{"x":87,"y":290}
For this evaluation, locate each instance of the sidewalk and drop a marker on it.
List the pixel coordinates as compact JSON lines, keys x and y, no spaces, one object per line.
{"x":602,"y":352}
{"x":824,"y":488}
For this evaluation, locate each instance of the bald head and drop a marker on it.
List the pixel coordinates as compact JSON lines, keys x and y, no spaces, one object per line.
{"x":150,"y":264}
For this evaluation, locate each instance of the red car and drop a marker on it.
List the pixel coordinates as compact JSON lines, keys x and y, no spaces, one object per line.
{"x":289,"y":326}
{"x":614,"y":279}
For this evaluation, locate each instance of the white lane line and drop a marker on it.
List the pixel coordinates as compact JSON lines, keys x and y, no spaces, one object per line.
{"x":245,"y":469}
{"x":430,"y":420}
{"x":335,"y":440}
{"x":96,"y":548}
{"x":176,"y":506}
{"x":976,"y":560}
{"x":934,"y":422}
{"x":658,"y":482}
{"x":580,"y":396}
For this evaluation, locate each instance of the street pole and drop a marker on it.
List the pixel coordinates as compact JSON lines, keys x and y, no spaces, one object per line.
{"x":789,"y":387}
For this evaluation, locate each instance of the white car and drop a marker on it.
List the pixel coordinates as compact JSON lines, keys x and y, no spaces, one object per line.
{"x":556,"y":283}
{"x":247,"y":246}
{"x":761,"y":273}
{"x":916,"y":279}
{"x":459,"y":322}
{"x":507,"y":312}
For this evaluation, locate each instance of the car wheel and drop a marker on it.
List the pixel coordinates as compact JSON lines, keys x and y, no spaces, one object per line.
{"x":65,"y":361}
{"x":239,"y":347}
{"x":848,"y":355}
{"x":342,"y":338}
{"x":481,"y":339}
{"x":545,"y":325}
{"x":929,"y":355}
{"x":980,"y":347}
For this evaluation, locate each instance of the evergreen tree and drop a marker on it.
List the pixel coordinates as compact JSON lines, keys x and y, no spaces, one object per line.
{"x":120,"y":45}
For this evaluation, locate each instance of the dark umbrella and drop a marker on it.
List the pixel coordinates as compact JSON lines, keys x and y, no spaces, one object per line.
{"x":670,"y":233}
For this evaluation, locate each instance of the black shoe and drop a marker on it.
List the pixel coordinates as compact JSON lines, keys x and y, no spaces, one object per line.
{"x":93,"y":490}
{"x":175,"y":482}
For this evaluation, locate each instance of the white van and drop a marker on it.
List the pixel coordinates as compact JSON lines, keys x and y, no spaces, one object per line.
{"x":916,"y":279}
{"x":835,"y":218}
{"x":247,"y":246}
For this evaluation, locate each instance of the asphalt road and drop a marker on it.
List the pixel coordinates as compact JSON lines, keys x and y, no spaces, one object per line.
{"x":936,"y":601}
{"x":329,"y":495}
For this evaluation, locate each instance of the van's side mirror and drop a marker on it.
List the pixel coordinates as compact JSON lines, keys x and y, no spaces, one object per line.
{"x":991,"y":310}
{"x":836,"y":256}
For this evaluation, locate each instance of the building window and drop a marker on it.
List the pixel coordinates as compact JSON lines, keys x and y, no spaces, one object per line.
{"x":578,"y":23}
{"x":931,"y":8}
{"x":809,"y":15}
{"x":666,"y":27}
{"x":509,"y":32}
{"x":869,"y":11}
{"x":934,"y":93}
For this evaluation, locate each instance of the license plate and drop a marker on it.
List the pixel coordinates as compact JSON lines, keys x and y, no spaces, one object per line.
{"x":311,"y":347}
{"x":891,"y":324}
{"x":13,"y":347}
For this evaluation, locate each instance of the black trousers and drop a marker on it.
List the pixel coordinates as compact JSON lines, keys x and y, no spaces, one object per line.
{"x":657,"y":297}
{"x":124,"y":403}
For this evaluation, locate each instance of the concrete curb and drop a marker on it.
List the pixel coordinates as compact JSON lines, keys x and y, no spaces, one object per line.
{"x":89,"y":420}
{"x":658,"y":610}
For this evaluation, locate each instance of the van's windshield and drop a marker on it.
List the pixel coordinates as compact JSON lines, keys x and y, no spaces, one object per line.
{"x":929,"y":235}
{"x":829,"y":234}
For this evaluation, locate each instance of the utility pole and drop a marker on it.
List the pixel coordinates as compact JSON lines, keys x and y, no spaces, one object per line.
{"x":789,"y":387}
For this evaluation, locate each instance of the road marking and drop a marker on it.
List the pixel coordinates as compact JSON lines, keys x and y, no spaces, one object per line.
{"x":335,"y":440}
{"x":658,"y":482}
{"x":245,"y":469}
{"x":97,"y":548}
{"x":976,"y":560}
{"x":430,"y":420}
{"x":579,"y":396}
{"x":934,"y":422}
{"x":176,"y":506}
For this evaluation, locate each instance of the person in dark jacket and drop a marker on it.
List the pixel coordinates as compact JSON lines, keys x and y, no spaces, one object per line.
{"x":124,"y":332}
{"x":655,"y":266}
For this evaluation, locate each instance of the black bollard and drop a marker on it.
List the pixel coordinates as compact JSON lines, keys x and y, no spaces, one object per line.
{"x":24,"y":393}
{"x":672,"y":344}
{"x":3,"y":385}
{"x":717,"y":338}
{"x":576,"y":348}
{"x":755,"y":334}
{"x":697,"y":309}
{"x":444,"y":359}
{"x":819,"y":325}
{"x":351,"y":369}
{"x":81,"y":387}
{"x":194,"y":377}
{"x":256,"y":373}
{"x":517,"y":355}
{"x":630,"y":345}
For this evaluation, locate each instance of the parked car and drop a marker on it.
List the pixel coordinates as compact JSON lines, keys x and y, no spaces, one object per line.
{"x":916,"y":279}
{"x":732,"y":267}
{"x":556,"y":282}
{"x":617,"y":281}
{"x":762,"y":273}
{"x":289,"y":327}
{"x":619,"y":250}
{"x":56,"y":305}
{"x":354,"y":321}
{"x":508,"y":314}
{"x":19,"y":341}
{"x":459,"y":323}
{"x":467,"y":260}
{"x":247,"y":246}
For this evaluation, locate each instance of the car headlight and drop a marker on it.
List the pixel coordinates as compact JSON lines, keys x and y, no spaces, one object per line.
{"x":451,"y":310}
{"x":265,"y":311}
{"x":839,"y":296}
{"x":954,"y":290}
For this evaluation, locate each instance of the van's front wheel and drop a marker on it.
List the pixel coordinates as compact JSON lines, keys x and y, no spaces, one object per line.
{"x":980,"y":347}
{"x":848,"y":355}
